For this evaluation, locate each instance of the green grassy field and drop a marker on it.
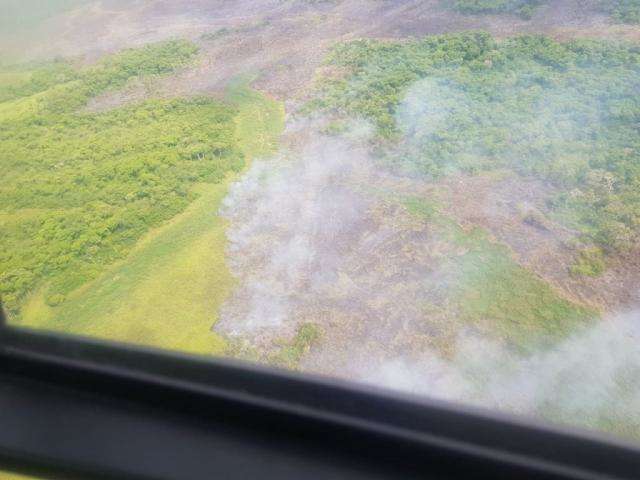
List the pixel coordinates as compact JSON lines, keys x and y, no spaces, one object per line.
{"x":167,"y":292}
{"x":109,"y":221}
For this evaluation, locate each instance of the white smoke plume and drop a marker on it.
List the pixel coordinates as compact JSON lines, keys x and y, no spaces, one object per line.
{"x":313,"y":237}
{"x":592,"y":379}
{"x":289,"y":219}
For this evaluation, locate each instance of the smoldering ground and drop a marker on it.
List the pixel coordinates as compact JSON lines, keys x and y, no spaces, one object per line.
{"x":362,"y":274}
{"x":322,"y":234}
{"x":591,"y":379}
{"x":291,"y":226}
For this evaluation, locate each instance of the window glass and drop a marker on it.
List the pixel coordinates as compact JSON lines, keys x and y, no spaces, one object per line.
{"x":440,"y":197}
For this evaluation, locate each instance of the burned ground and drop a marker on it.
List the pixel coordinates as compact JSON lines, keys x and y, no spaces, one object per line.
{"x":282,"y":42}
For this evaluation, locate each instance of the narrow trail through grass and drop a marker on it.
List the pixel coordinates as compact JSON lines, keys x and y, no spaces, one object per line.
{"x":168,"y":291}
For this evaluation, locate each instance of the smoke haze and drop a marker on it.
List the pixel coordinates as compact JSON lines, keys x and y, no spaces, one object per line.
{"x":320,"y":234}
{"x":592,"y":379}
{"x":290,"y":217}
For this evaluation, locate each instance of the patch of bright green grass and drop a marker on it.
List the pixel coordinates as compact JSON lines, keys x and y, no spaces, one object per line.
{"x":10,"y":78}
{"x":421,"y":207}
{"x":260,"y":119}
{"x":166,"y":293}
{"x":23,"y":80}
{"x":590,"y":262}
{"x":290,"y":354}
{"x":285,"y":354}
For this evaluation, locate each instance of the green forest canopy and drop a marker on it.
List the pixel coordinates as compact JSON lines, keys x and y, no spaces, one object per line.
{"x":563,"y":112}
{"x":622,"y":11}
{"x":80,"y":188}
{"x":524,"y":8}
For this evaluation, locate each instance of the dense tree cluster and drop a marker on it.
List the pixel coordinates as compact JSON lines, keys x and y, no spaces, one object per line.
{"x":32,"y":81}
{"x":79,"y":189}
{"x":524,"y":8}
{"x":623,"y":11}
{"x":564,"y":112}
